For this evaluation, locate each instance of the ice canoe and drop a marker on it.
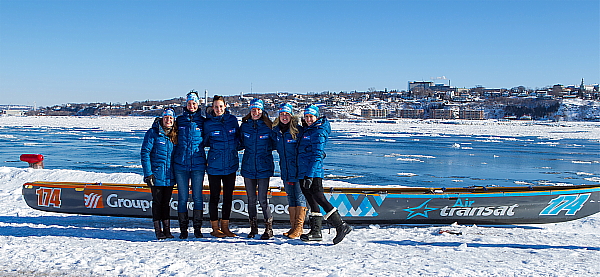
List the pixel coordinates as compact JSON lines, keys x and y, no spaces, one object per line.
{"x":410,"y":205}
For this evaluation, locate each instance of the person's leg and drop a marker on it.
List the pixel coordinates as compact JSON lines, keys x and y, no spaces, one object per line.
{"x":333,"y":216}
{"x":167,"y":192}
{"x":182,"y":177}
{"x":315,"y":217}
{"x":156,"y":214}
{"x":299,"y":196}
{"x":290,"y":191}
{"x":214,"y":184}
{"x":251,"y":185}
{"x":251,"y":194}
{"x":318,"y":195}
{"x":299,"y":211}
{"x":307,"y":192}
{"x":263,"y":190}
{"x":228,"y":187}
{"x":197,"y":179}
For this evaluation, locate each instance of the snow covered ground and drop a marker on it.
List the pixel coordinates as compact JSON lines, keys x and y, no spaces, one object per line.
{"x":50,"y":244}
{"x":36,"y":243}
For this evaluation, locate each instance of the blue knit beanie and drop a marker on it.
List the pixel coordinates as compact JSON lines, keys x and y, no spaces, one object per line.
{"x":192,"y":96}
{"x":312,"y":109}
{"x":286,"y":107}
{"x":257,"y":103}
{"x":168,"y":112}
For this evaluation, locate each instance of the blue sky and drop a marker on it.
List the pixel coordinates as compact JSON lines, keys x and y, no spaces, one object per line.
{"x":55,"y":52}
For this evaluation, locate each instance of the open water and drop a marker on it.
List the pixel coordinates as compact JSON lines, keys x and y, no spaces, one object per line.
{"x":410,"y":160}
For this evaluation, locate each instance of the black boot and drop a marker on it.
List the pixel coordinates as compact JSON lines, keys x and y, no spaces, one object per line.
{"x":315,"y":220}
{"x":253,"y":228}
{"x":197,"y":220}
{"x":341,"y":228}
{"x":158,"y":231}
{"x":268,"y":229}
{"x":167,"y":228}
{"x":184,"y":221}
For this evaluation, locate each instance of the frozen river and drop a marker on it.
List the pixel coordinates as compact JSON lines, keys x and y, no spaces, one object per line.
{"x":409,"y":153}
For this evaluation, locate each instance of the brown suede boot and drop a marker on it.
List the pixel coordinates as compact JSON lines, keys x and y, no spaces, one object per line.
{"x":216,"y":231}
{"x":299,"y":224}
{"x":225,"y":229}
{"x":292,"y":220}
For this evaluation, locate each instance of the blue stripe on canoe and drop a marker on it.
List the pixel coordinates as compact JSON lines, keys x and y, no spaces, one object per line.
{"x":495,"y":194}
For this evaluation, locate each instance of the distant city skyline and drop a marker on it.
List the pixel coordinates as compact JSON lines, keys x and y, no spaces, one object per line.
{"x":54,"y":52}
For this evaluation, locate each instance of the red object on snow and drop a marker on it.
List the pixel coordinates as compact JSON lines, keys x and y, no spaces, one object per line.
{"x":34,"y":160}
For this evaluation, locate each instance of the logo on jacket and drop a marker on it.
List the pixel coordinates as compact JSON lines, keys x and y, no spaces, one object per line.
{"x":291,"y":141}
{"x":92,"y":199}
{"x":215,"y":133}
{"x":264,"y":137}
{"x":232,"y":131}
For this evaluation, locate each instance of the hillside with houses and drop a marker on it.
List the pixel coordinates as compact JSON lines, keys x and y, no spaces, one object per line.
{"x":422,"y":100}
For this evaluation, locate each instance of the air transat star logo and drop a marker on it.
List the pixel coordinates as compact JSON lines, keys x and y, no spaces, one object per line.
{"x":421,"y":210}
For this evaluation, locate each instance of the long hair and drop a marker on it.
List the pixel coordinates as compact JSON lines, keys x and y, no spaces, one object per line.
{"x":265,"y":118}
{"x":172,"y":132}
{"x":293,"y":129}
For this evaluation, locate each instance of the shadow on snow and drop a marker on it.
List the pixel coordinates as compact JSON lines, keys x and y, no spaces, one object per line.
{"x":116,"y":228}
{"x":477,"y":245}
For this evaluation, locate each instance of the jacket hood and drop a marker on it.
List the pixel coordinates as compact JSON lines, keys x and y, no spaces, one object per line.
{"x":157,"y":126}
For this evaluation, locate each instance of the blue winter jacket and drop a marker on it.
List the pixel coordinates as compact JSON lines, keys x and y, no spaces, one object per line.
{"x":156,"y":153}
{"x":256,"y":138}
{"x":286,"y":147}
{"x":311,"y":149}
{"x":221,"y":134}
{"x":189,"y":152}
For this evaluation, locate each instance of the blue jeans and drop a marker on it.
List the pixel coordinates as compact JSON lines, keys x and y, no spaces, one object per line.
{"x":263,"y":188}
{"x":294,"y":194}
{"x":183,"y":179}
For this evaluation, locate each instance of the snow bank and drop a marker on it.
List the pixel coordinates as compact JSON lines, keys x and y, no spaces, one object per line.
{"x":49,"y":244}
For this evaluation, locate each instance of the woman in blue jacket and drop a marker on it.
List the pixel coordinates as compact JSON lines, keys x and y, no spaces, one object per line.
{"x":189,"y":163}
{"x":311,"y":152}
{"x":285,"y":132}
{"x":221,"y":135}
{"x":257,"y":164}
{"x":156,"y":152}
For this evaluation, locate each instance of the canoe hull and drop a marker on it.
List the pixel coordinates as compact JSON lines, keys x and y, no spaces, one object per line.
{"x":500,"y":206}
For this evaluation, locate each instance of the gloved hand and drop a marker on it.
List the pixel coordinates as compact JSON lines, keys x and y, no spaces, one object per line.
{"x":307,"y":183}
{"x":150,"y":180}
